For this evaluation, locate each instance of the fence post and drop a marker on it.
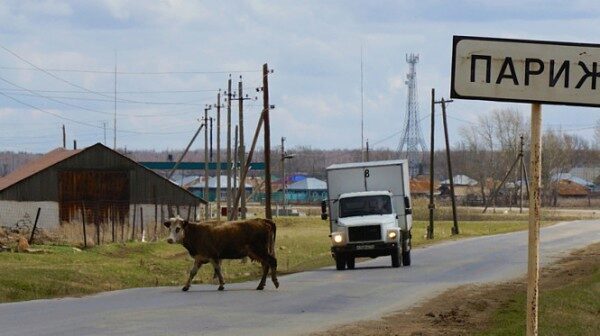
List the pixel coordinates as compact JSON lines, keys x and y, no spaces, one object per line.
{"x":155,"y":220}
{"x":133,"y":224}
{"x":37,"y":216}
{"x":83,"y":221}
{"x":142,"y":224}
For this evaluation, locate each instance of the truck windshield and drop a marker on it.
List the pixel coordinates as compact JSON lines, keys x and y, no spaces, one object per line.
{"x":365,"y":205}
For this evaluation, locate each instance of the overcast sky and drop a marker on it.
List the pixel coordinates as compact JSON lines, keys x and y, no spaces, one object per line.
{"x":173,"y":56}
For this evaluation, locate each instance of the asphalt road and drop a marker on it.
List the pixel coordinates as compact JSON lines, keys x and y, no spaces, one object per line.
{"x":305,"y":302}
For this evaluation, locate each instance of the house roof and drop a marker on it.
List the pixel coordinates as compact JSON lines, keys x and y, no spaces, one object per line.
{"x":461,"y":180}
{"x":33,"y":167}
{"x":309,"y":183}
{"x":421,"y":185}
{"x":572,"y":178}
{"x":569,"y":188}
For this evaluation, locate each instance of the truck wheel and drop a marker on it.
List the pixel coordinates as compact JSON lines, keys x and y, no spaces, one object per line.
{"x":350,"y":262}
{"x":340,"y":263}
{"x":396,"y":257}
{"x":406,"y":258}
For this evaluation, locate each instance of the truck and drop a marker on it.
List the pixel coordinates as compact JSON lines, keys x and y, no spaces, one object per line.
{"x":369,"y":211}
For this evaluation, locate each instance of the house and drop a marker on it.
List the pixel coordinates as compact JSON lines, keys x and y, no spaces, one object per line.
{"x":197,"y":188}
{"x":463,"y":186}
{"x":307,"y":190}
{"x":97,"y":184}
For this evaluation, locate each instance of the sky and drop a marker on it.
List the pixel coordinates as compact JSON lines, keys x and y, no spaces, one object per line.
{"x":58,"y":58}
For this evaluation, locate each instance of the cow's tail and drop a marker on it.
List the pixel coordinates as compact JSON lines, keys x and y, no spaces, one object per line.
{"x":273,"y":230}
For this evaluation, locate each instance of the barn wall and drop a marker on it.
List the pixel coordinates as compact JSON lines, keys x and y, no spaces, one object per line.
{"x":13,"y":212}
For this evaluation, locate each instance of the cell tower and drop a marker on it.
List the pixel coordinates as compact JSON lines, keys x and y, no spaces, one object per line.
{"x":412,"y":145}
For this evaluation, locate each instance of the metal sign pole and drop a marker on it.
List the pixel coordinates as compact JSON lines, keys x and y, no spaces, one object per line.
{"x":533,"y":272}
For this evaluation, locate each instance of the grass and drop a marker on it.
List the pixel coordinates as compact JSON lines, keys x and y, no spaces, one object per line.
{"x":568,"y":310}
{"x":302,"y":244}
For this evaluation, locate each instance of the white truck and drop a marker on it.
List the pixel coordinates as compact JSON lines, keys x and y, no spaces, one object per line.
{"x":370,"y":212}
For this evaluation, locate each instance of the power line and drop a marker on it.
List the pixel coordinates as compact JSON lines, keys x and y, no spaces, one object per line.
{"x":108,"y":72}
{"x":77,"y":121}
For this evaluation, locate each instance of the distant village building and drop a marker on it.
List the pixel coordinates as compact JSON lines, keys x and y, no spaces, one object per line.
{"x":197,"y":188}
{"x":308,"y":190}
{"x":463,"y":186}
{"x":101,"y":183}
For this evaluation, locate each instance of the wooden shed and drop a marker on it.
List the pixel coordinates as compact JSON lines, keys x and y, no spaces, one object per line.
{"x":96,"y":181}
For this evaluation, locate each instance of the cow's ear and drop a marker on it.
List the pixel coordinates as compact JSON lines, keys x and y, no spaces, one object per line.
{"x":167,"y":224}
{"x":184,"y":224}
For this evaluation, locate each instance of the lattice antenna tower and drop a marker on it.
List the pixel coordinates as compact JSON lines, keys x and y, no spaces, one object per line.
{"x":412,"y":145}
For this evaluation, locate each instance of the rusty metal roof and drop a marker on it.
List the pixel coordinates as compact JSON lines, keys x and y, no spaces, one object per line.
{"x":33,"y":167}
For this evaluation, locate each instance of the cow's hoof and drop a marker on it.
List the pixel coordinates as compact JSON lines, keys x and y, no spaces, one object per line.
{"x":185,"y":288}
{"x":276,"y":283}
{"x":260,"y":287}
{"x":221,"y":287}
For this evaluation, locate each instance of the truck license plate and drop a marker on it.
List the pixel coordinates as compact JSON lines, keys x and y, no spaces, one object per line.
{"x":365,"y":247}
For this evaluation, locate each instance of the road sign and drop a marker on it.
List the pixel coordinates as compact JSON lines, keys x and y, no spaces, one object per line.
{"x":525,"y":71}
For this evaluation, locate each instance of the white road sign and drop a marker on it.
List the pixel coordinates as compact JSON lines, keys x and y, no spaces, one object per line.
{"x":525,"y":71}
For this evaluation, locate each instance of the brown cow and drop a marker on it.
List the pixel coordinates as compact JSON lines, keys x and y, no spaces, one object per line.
{"x":252,"y":238}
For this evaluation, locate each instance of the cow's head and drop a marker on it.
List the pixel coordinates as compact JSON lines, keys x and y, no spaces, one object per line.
{"x":175,"y":226}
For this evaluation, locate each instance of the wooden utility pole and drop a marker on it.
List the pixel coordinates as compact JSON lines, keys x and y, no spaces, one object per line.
{"x":206,"y":196}
{"x":218,"y":191}
{"x":533,"y":271}
{"x":229,"y":148}
{"x":282,"y":175}
{"x":235,"y":171}
{"x":443,"y":102}
{"x":431,"y":168}
{"x":248,"y":160}
{"x":367,"y":151}
{"x":521,"y":184}
{"x":64,"y":133}
{"x":211,"y":139}
{"x":267,"y":137}
{"x":242,"y":151}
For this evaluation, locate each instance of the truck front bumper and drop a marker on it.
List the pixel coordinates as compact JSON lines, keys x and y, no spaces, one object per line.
{"x":370,"y":250}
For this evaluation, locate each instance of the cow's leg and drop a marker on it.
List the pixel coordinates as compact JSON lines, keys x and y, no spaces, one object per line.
{"x":273,"y":265}
{"x":197,"y":264}
{"x":215,"y":275}
{"x":217,"y":266}
{"x":265,"y":266}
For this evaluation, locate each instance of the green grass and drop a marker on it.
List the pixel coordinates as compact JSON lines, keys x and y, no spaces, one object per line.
{"x":569,"y":310}
{"x":302,"y":244}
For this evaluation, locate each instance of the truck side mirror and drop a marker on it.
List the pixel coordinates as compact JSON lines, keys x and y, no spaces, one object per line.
{"x":407,"y":208}
{"x":324,"y":210}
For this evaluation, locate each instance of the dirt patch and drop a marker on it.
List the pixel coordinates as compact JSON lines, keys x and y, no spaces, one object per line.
{"x":468,"y":309}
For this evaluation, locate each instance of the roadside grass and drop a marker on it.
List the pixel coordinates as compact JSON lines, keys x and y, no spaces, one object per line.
{"x":302,"y":244}
{"x":571,"y":309}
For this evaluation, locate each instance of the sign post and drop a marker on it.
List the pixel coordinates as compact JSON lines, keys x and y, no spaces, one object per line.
{"x":536,"y":72}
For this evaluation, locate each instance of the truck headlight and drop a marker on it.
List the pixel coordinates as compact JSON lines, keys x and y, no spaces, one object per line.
{"x":392,"y":234}
{"x":337,"y":238}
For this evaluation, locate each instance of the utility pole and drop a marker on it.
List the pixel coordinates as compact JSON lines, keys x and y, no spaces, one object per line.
{"x":362,"y":120}
{"x":521,"y":144}
{"x":104,"y":128}
{"x":115,"y":114}
{"x":267,"y":138}
{"x":218,"y":191}
{"x":235,"y":171}
{"x":229,"y":148}
{"x":367,"y":151}
{"x":64,"y":137}
{"x":206,"y":196}
{"x":283,"y":174}
{"x":242,"y":149}
{"x":211,"y":139}
{"x":443,"y":102}
{"x":431,"y":167}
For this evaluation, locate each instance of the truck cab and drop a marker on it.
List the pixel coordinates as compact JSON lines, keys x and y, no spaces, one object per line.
{"x":370,"y":217}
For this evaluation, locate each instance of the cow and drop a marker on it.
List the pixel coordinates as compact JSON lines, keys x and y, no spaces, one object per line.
{"x":254,"y":238}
